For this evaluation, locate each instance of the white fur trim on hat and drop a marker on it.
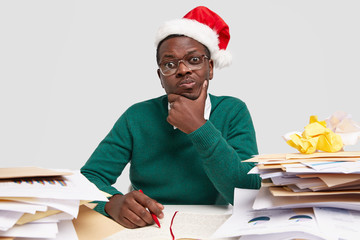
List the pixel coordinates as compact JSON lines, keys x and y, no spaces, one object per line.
{"x":223,"y":58}
{"x":201,"y":33}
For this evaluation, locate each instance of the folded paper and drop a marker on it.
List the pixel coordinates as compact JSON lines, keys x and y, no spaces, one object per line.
{"x":316,"y":136}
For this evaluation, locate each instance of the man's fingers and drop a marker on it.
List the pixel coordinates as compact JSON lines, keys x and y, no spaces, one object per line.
{"x":172,"y":97}
{"x":156,"y":208}
{"x":152,"y":205}
{"x":203,"y":93}
{"x":132,"y":221}
{"x":126,"y":223}
{"x":140,"y":216}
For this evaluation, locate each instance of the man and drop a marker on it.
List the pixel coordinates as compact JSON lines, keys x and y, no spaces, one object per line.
{"x":187,"y":146}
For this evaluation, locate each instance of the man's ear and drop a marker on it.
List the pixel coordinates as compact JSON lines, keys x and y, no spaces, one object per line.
{"x":159,"y":75}
{"x":211,"y":69}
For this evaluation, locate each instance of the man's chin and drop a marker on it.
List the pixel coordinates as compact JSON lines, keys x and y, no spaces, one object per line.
{"x":190,"y":96}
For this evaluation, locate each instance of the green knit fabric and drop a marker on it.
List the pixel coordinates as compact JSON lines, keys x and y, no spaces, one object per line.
{"x":172,"y":167}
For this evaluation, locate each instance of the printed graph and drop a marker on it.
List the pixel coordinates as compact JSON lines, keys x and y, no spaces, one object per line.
{"x":41,"y":181}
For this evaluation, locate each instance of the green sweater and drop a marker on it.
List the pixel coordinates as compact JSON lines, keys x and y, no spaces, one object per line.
{"x":173,"y":167}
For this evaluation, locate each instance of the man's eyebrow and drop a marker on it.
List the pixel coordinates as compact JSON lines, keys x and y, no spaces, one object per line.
{"x":172,"y":56}
{"x":168,"y":56}
{"x":190,"y":52}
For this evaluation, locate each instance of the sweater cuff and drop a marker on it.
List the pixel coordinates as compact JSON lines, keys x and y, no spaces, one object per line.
{"x":100,"y":208}
{"x":205,"y":136}
{"x":111,"y":190}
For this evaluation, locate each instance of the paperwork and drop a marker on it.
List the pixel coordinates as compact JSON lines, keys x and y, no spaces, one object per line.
{"x":185,"y":226}
{"x":38,"y":203}
{"x":301,"y":197}
{"x":263,"y":224}
{"x":313,"y":223}
{"x":319,"y":179}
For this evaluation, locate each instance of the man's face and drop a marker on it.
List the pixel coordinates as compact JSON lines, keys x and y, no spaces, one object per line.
{"x":185,"y":81}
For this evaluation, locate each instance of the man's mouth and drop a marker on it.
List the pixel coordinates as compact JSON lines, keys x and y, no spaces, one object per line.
{"x":187,"y":83}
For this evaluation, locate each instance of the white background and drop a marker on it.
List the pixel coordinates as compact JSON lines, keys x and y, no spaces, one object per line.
{"x":69,"y":69}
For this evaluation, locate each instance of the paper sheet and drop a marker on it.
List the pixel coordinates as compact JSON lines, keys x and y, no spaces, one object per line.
{"x":338,"y":166}
{"x":26,"y":218}
{"x":282,"y":180}
{"x":338,"y":223}
{"x":246,"y":221}
{"x":295,"y":157}
{"x":269,"y":221}
{"x":55,"y":218}
{"x":21,"y":207}
{"x":69,"y":206}
{"x":265,"y":200}
{"x":281,"y":192}
{"x":66,"y":232}
{"x":332,"y":180}
{"x":23,"y":172}
{"x":8,"y":219}
{"x":282,"y":236}
{"x":32,"y":230}
{"x":73,"y":187}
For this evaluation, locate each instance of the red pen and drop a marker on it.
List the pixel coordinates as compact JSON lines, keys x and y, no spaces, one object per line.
{"x":153,"y":215}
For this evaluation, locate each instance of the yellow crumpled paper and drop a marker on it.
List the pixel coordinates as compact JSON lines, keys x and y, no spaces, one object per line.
{"x":316,"y":137}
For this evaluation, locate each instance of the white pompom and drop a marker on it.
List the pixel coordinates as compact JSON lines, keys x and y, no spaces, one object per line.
{"x":222,"y":58}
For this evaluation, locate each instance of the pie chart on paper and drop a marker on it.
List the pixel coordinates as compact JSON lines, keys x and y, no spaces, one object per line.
{"x":300,"y":218}
{"x":259,"y":220}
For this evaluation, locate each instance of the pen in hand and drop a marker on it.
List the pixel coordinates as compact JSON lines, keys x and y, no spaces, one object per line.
{"x":153,"y":215}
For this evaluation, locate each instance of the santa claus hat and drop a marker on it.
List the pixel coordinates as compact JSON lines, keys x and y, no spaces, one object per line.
{"x":204,"y":26}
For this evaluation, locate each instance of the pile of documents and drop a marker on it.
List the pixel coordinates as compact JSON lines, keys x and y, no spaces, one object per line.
{"x":308,"y":180}
{"x":41,"y":203}
{"x":317,"y":223}
{"x":303,"y":196}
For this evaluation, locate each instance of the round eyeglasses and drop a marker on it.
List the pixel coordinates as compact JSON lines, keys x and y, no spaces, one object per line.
{"x":170,"y":66}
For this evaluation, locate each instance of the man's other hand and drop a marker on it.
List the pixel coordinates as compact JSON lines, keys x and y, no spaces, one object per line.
{"x":132,"y":209}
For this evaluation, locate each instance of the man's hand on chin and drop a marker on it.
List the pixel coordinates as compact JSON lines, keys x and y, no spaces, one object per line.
{"x":185,"y":114}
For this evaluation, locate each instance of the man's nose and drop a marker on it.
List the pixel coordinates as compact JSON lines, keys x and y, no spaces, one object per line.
{"x":182,"y":69}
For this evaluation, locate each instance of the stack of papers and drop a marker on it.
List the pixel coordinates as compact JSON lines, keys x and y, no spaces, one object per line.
{"x":316,"y":223}
{"x":308,"y":180}
{"x":303,"y":196}
{"x":41,"y":203}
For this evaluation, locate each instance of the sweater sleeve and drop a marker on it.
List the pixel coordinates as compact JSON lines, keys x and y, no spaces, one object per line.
{"x":223,"y":156}
{"x":109,"y":159}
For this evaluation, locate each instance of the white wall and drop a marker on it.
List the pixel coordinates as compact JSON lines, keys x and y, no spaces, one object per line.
{"x":69,"y":69}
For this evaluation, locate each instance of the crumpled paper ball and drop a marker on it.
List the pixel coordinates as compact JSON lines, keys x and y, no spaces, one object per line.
{"x":316,"y":136}
{"x":342,"y":124}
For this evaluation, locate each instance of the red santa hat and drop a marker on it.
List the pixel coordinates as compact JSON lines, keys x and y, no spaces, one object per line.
{"x":206,"y":27}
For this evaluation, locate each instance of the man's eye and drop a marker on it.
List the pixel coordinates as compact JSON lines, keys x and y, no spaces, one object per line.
{"x":170,"y":65}
{"x":194,"y":60}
